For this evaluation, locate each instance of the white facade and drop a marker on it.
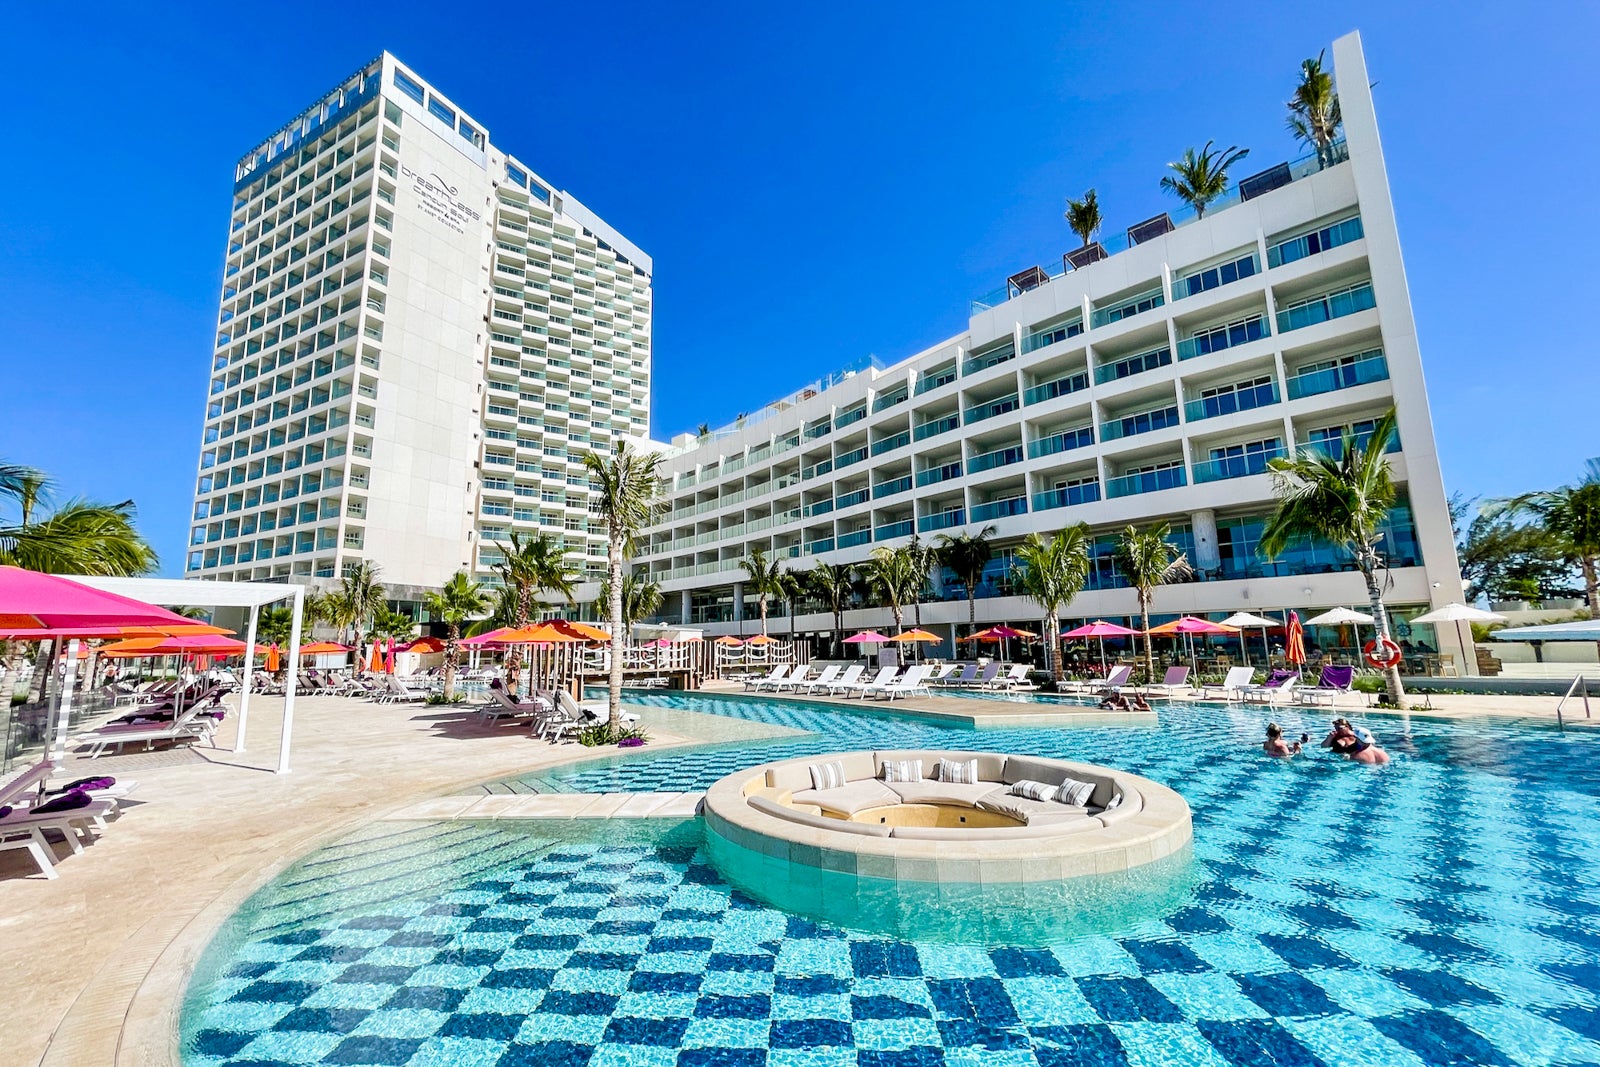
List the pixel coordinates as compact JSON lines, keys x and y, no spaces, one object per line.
{"x":418,"y":339}
{"x":1150,"y":385}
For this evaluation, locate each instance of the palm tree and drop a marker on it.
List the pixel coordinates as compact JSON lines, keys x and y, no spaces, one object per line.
{"x":1053,"y":573}
{"x":1199,"y":178}
{"x":792,"y":586}
{"x":1571,"y":514}
{"x":460,"y":599}
{"x":362,"y":594}
{"x":78,"y":537}
{"x":537,"y":565}
{"x":967,"y":554}
{"x":1343,"y":500}
{"x":1147,"y":559}
{"x":893,"y":576}
{"x":1084,"y":216}
{"x":703,"y":431}
{"x":1314,"y":109}
{"x":627,"y":489}
{"x":764,"y":579}
{"x":388,"y":623}
{"x":338,"y":611}
{"x":835,"y":584}
{"x":922,"y":559}
{"x":641,"y":598}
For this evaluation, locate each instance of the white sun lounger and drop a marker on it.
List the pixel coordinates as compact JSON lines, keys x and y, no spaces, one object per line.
{"x":914,"y":680}
{"x":194,"y":724}
{"x":878,"y":681}
{"x":1232,"y":687}
{"x":799,"y":681}
{"x":778,"y":674}
{"x":851,"y":675}
{"x":1014,"y":680}
{"x":1118,"y":677}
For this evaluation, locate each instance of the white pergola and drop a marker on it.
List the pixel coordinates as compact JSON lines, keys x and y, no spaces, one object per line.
{"x":193,"y":593}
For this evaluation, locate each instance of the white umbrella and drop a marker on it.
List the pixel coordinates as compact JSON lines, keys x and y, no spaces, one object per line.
{"x":1344,"y":617}
{"x":1459,"y":613}
{"x":1243,"y":620}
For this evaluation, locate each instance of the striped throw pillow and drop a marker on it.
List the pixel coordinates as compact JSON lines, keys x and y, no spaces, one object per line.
{"x":958,"y":773}
{"x":827,"y":775}
{"x":1034,"y":790}
{"x":903,"y":770}
{"x":1075,"y":793}
{"x":1114,"y":802}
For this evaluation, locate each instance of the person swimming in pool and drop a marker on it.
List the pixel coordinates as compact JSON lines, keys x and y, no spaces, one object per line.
{"x":1275,"y":745}
{"x":1354,"y":744}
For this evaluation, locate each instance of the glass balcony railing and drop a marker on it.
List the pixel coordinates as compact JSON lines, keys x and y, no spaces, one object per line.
{"x":1143,"y":422}
{"x":816,"y":547}
{"x":1215,"y":277}
{"x":930,"y":382}
{"x":1247,"y":398}
{"x":1222,"y":468}
{"x":852,"y":457}
{"x":822,"y":429}
{"x":1065,"y":441}
{"x":817,"y":469}
{"x":999,"y":509}
{"x":988,"y":359}
{"x":889,"y":444}
{"x":890,"y":488}
{"x":1050,"y":335}
{"x":858,"y":537}
{"x":1000,"y":457}
{"x":1128,"y":307}
{"x":942,"y":521}
{"x":1145,"y":482}
{"x":1125,"y":368}
{"x":1067,"y":496}
{"x":893,"y":530}
{"x":1309,"y":244}
{"x":845,"y":500}
{"x":992,"y":408}
{"x":1070,"y":383}
{"x":889,"y":400}
{"x":845,"y":418}
{"x":1332,"y":444}
{"x":1218,"y":338}
{"x":938,"y":426}
{"x":821,"y":507}
{"x":939,"y":474}
{"x":1329,"y":306}
{"x":1368,"y":368}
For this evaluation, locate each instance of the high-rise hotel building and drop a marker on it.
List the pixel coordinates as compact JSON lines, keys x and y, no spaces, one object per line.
{"x":1147,"y":379}
{"x":418,"y":339}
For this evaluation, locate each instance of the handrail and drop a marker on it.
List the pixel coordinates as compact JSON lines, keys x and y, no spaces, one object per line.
{"x":1587,"y":712}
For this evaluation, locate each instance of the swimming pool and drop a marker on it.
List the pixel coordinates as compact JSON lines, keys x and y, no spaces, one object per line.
{"x":1435,"y":911}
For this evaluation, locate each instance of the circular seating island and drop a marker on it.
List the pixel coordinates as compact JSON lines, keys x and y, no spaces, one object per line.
{"x":937,"y":818}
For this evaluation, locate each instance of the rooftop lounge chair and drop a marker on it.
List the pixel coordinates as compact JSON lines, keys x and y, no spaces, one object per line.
{"x":778,"y":674}
{"x":1232,"y":687}
{"x":1332,"y":682}
{"x":1279,"y":685}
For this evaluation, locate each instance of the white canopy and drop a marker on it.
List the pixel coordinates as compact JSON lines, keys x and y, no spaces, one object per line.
{"x":1241,"y":620}
{"x":1341,"y":617}
{"x":1459,"y":613}
{"x":1582,"y":630}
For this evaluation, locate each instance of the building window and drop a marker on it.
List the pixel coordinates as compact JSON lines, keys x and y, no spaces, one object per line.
{"x":441,"y":111}
{"x":406,"y":85}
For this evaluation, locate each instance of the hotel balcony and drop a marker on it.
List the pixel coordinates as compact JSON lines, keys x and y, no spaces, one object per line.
{"x":1246,"y":397}
{"x":1243,"y":465}
{"x":1152,"y":481}
{"x":1362,"y":371}
{"x":1328,"y":306}
{"x":1066,"y":497}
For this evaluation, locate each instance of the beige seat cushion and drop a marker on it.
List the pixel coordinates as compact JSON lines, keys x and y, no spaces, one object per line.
{"x":1031,"y":811}
{"x":849,"y":799}
{"x":926,"y":792}
{"x":1034,"y":769}
{"x":821,"y":822}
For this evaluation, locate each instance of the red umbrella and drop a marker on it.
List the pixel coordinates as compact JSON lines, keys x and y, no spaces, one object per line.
{"x":388,"y":660}
{"x":1102,"y":630}
{"x":422,"y":644}
{"x":1295,"y":646}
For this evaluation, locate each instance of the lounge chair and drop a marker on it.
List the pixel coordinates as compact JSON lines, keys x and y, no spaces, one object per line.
{"x":852,"y":674}
{"x":1279,"y":684}
{"x":913,"y":681}
{"x":1084,"y":686}
{"x":396,"y":693}
{"x":822,"y":680}
{"x":591,"y":714}
{"x":1332,"y":682}
{"x":196,"y":723}
{"x":986,"y":675}
{"x":963,"y":674}
{"x":877,"y":681}
{"x":501,"y":704}
{"x":1014,"y":680}
{"x":1231,"y":687}
{"x":1174,"y":682}
{"x":778,"y":674}
{"x":799,"y":678}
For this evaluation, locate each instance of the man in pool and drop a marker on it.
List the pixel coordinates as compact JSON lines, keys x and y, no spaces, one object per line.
{"x":1275,"y":745}
{"x":1355,"y":744}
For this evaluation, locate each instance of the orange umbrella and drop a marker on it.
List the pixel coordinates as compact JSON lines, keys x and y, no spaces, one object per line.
{"x":553,"y":630}
{"x":1295,"y":642}
{"x":375,"y":663}
{"x":729,"y":641}
{"x":423,"y":644}
{"x":185,"y":644}
{"x":917,"y":635}
{"x":323,"y":648}
{"x":272,"y":663}
{"x":759,"y":639}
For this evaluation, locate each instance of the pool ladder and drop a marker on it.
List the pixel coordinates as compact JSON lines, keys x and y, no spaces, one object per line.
{"x":1571,"y":689}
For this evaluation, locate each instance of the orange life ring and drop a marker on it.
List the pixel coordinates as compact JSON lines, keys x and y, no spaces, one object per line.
{"x":1382,"y":653}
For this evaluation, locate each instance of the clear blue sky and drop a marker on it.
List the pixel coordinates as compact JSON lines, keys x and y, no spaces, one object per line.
{"x":814,"y":184}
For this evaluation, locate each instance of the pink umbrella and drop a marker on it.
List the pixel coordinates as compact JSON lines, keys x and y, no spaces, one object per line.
{"x":866,"y":637}
{"x":388,"y":659}
{"x":37,"y":606}
{"x":1102,"y":630}
{"x":492,"y":637}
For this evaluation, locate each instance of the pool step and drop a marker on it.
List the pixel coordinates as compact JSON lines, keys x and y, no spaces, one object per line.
{"x":554,"y":806}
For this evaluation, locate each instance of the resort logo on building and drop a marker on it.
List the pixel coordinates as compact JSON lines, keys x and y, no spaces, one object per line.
{"x":438,"y":199}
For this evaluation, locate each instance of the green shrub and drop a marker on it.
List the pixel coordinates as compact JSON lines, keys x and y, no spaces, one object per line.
{"x":606,"y":733}
{"x":1368,"y":683}
{"x":438,"y":698}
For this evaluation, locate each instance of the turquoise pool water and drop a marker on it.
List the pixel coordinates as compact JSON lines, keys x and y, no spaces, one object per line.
{"x":1441,"y":910}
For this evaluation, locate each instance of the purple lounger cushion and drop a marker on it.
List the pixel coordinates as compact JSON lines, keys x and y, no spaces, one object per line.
{"x":6,"y":809}
{"x":103,"y":781}
{"x":68,"y":801}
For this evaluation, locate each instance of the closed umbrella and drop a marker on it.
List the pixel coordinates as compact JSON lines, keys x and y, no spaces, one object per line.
{"x":1294,"y":648}
{"x":1243,"y":620}
{"x":273,"y":658}
{"x":1100,"y":629}
{"x":1458,"y":614}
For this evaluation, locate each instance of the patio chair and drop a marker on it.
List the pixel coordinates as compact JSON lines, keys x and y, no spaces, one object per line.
{"x":824,"y":679}
{"x":196,"y":723}
{"x":851,"y":675}
{"x":1279,"y":684}
{"x":987,"y":674}
{"x":778,"y":674}
{"x":590,"y":714}
{"x":877,"y":681}
{"x":913,"y":681}
{"x":963,"y":674}
{"x":1330,"y":684}
{"x":1232,"y":687}
{"x":1084,"y":686}
{"x":1014,"y":680}
{"x":797,"y":679}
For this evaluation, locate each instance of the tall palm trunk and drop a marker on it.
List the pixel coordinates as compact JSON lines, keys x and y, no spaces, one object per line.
{"x":451,"y":652}
{"x":1052,"y":631}
{"x":1149,"y":642}
{"x":1391,"y":675}
{"x":614,"y":683}
{"x":1591,"y":583}
{"x":838,"y":633}
{"x":972,"y":606}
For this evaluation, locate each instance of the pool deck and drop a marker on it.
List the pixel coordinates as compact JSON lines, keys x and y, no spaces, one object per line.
{"x":98,"y":959}
{"x":515,"y":806}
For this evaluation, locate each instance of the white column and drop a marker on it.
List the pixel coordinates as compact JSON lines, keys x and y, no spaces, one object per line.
{"x":249,"y":678}
{"x":63,"y":707}
{"x":1203,"y":524}
{"x":294,"y":672}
